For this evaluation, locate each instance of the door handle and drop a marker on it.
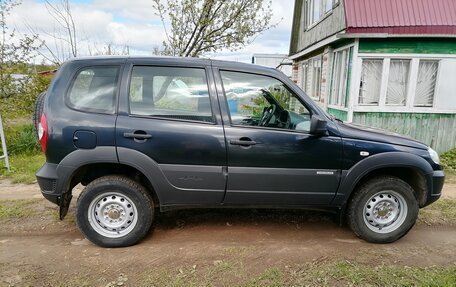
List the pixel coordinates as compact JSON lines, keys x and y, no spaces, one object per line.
{"x":137,"y":135}
{"x":241,"y":142}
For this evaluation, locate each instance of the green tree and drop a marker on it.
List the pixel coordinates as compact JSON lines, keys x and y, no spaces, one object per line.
{"x":15,"y":52}
{"x":195,"y":27}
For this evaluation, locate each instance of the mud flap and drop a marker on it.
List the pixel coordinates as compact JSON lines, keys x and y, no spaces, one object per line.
{"x":340,"y":215}
{"x":64,"y":204}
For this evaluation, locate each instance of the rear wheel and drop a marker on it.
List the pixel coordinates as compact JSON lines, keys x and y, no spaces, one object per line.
{"x":114,"y":211}
{"x":383,"y":210}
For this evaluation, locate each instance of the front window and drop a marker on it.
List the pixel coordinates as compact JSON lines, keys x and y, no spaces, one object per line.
{"x":398,"y":83}
{"x":311,"y":77}
{"x":342,"y":66}
{"x":425,"y":87}
{"x":398,"y":80}
{"x":262,"y":101}
{"x":371,"y":81}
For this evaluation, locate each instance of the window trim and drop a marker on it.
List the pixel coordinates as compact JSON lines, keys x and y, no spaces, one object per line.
{"x":90,"y":110}
{"x":155,"y":117}
{"x":220,"y":70}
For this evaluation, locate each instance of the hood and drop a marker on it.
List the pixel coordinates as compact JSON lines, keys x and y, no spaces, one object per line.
{"x":360,"y":132}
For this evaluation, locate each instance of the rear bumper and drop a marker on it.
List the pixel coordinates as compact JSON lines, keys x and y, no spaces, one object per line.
{"x":438,"y":178}
{"x":52,"y":181}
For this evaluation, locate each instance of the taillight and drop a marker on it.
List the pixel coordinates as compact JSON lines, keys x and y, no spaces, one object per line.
{"x":43,"y":132}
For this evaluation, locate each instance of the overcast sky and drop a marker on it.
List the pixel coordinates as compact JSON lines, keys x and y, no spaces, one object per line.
{"x":133,"y":23}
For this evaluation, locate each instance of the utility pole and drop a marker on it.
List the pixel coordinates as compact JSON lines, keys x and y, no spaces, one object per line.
{"x":4,"y":154}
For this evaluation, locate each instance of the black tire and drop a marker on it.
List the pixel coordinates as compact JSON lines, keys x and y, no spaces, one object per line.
{"x":37,"y":112}
{"x":383,"y":210}
{"x":110,"y":196}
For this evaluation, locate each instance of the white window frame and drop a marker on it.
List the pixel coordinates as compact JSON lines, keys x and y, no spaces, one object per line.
{"x":309,"y":63}
{"x":329,"y":89}
{"x":411,"y":88}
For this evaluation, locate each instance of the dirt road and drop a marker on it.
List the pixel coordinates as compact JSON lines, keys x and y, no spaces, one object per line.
{"x":39,"y":250}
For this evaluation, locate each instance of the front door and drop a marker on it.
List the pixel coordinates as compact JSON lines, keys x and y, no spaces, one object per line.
{"x":169,"y":117}
{"x":272,"y":157}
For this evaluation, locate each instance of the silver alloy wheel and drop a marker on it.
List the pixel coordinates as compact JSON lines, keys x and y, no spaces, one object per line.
{"x":112,"y":215}
{"x":385,"y":211}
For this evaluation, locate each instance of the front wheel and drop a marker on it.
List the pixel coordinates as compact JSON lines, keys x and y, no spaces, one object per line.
{"x":383,"y":210}
{"x":114,"y":211}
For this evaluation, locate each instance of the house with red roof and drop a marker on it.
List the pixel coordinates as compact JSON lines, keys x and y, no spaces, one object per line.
{"x":389,"y":64}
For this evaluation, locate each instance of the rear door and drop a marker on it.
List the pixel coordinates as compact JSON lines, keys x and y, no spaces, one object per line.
{"x":170,"y":114}
{"x":272,"y":157}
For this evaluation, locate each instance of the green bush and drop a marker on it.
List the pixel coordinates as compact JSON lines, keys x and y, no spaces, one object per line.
{"x":21,"y":140}
{"x":22,"y":102}
{"x":448,"y":160}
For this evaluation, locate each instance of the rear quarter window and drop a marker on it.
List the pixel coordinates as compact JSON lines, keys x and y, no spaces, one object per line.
{"x":94,"y":89}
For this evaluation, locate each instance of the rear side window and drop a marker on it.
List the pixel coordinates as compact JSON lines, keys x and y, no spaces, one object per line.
{"x":94,"y":89}
{"x":170,"y":92}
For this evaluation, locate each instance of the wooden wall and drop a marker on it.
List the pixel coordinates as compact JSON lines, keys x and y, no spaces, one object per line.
{"x":331,"y":24}
{"x":436,"y":130}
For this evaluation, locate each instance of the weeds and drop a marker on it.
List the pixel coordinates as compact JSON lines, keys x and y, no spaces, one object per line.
{"x":440,"y":212}
{"x":21,"y":140}
{"x":448,"y":160}
{"x":17,"y":208}
{"x":23,"y":168}
{"x":327,"y":273}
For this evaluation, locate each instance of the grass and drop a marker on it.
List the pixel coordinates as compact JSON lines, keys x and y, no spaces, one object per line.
{"x":448,"y":160}
{"x":20,"y":139}
{"x":23,"y":168}
{"x":450,"y":177}
{"x":17,"y":208}
{"x":327,"y":273}
{"x":440,"y":212}
{"x":344,"y":272}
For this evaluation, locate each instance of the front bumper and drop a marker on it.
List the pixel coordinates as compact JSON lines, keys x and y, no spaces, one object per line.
{"x":438,"y":178}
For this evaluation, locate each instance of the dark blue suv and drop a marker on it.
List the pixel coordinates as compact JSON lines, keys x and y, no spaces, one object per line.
{"x":172,"y":133}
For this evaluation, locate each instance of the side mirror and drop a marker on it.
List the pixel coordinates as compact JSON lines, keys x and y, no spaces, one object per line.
{"x":318,"y":126}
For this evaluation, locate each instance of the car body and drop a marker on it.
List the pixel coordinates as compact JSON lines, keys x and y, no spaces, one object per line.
{"x":204,"y":133}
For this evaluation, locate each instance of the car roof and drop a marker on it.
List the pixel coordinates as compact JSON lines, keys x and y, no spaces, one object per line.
{"x":182,"y":60}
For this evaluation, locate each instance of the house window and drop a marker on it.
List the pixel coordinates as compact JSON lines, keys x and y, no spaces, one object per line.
{"x":425,"y":86}
{"x":311,"y":77}
{"x":371,"y":80}
{"x":398,"y":84}
{"x":398,"y":80}
{"x":340,"y":77}
{"x":314,"y":10}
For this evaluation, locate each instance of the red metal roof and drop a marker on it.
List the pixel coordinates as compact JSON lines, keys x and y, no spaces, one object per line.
{"x":401,"y":16}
